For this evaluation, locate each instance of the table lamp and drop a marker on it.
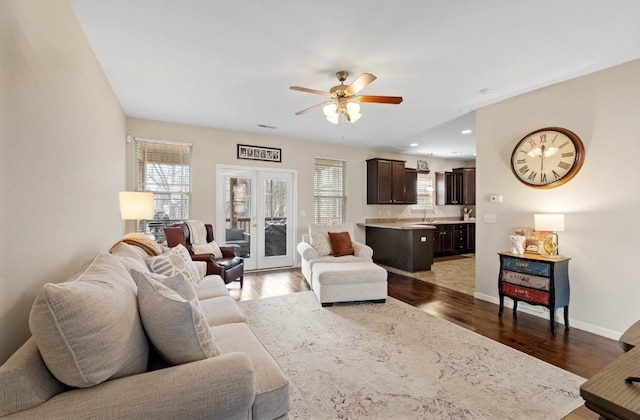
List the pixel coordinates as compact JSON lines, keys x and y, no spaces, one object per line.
{"x":553,"y":223}
{"x":136,"y":206}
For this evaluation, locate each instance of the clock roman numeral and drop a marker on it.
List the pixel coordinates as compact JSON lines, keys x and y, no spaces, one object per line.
{"x":555,"y":174}
{"x":532,"y":176}
{"x":564,"y":144}
{"x":543,"y":178}
{"x":532,"y":143}
{"x":524,"y":169}
{"x":543,"y":137}
{"x":568,"y":154}
{"x":521,"y":161}
{"x":564,"y":165}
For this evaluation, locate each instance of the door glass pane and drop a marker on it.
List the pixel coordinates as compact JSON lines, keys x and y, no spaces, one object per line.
{"x":275,"y":214}
{"x":238,"y":214}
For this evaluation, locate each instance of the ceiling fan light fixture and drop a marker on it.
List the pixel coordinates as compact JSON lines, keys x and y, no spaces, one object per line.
{"x":344,"y":102}
{"x":333,"y":119}
{"x":353,"y":108}
{"x":330,"y":109}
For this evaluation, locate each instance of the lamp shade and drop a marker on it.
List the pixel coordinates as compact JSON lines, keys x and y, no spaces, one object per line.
{"x":549,"y":222}
{"x":136,"y":205}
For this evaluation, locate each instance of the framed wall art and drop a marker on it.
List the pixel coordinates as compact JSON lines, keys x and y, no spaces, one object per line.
{"x":422,"y":166}
{"x":270,"y":154}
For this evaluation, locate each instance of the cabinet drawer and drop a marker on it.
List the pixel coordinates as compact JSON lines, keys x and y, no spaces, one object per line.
{"x":531,"y":295}
{"x":538,"y":268}
{"x":528,"y":280}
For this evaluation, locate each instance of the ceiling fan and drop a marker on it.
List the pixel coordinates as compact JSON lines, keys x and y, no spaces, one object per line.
{"x":344,"y":100}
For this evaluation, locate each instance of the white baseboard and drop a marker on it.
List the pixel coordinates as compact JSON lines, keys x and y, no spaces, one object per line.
{"x":541,"y":312}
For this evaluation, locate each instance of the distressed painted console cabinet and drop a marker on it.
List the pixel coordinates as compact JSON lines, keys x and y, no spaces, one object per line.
{"x":537,"y":280}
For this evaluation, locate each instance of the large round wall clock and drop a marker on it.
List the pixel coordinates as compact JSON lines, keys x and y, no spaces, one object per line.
{"x":547,"y":158}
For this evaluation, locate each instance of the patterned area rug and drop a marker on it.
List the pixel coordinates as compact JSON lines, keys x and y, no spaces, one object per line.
{"x":384,"y":361}
{"x":456,"y":273}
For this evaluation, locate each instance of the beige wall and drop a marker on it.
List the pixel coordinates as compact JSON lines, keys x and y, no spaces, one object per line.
{"x":212,"y":146}
{"x":600,"y":203}
{"x":62,"y":156}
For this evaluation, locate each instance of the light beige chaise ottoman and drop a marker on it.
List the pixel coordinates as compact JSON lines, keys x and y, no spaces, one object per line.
{"x":349,"y":282}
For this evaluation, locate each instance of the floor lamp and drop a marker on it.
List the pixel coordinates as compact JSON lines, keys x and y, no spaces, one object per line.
{"x":136,"y":206}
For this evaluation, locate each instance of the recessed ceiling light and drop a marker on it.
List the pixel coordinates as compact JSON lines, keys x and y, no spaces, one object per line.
{"x":413,"y":144}
{"x":485,"y":91}
{"x":466,"y":131}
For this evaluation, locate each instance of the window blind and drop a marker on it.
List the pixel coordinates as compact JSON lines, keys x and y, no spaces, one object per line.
{"x":164,"y":168}
{"x":328,"y":191}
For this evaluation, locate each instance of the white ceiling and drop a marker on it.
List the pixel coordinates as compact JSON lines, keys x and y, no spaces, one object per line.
{"x":229,"y":64}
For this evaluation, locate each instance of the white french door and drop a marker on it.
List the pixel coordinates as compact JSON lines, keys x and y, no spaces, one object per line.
{"x":254,"y":210}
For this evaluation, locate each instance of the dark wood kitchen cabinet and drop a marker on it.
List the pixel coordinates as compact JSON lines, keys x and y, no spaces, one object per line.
{"x":448,"y":188}
{"x":406,"y":249}
{"x":457,"y":187}
{"x":454,"y":238}
{"x":385,"y":181}
{"x":468,"y":190}
{"x":410,"y":186}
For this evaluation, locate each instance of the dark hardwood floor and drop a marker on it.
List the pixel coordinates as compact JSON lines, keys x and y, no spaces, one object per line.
{"x":574,"y":350}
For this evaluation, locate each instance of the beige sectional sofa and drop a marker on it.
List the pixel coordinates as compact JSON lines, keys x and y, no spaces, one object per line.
{"x":120,"y":341}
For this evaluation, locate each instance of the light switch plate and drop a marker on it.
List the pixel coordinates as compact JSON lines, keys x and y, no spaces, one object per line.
{"x":490,"y":218}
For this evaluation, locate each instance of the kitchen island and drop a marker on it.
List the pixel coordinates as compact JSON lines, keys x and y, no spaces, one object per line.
{"x":410,"y":245}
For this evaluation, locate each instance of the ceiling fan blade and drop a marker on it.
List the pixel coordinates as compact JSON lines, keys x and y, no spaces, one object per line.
{"x":303,"y":89}
{"x":304,"y":111}
{"x":379,"y":99}
{"x":361,"y":82}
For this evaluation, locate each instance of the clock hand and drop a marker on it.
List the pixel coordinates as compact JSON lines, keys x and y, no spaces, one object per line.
{"x":542,"y":158}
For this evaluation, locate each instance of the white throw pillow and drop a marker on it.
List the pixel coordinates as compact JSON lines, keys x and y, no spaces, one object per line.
{"x":177,"y":260}
{"x":176,"y":326}
{"x":88,"y":330}
{"x":210,"y":248}
{"x":177,"y":283}
{"x":320,"y":242}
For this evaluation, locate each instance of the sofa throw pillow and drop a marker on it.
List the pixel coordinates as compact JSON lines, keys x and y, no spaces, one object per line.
{"x":176,"y":326}
{"x":88,"y":330}
{"x":177,"y":260}
{"x":210,"y":248}
{"x":177,"y":283}
{"x":340,"y":244}
{"x":320,"y":242}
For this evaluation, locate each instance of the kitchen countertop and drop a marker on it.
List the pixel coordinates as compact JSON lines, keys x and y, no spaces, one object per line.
{"x":411,"y":224}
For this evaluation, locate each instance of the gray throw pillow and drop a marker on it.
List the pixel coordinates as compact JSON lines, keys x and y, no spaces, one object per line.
{"x":174,"y":323}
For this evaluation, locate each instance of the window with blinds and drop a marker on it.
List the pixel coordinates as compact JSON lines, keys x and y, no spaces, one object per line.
{"x":328,"y":191}
{"x":425,"y":195}
{"x":164,"y":168}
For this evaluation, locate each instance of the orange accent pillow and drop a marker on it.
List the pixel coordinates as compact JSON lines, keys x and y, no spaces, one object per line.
{"x":340,"y":244}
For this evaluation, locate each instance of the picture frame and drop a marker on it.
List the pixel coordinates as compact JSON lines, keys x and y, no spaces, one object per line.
{"x":250,"y":152}
{"x":422,"y":166}
{"x":534,"y":240}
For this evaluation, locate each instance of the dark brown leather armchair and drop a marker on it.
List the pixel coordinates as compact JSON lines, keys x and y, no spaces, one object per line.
{"x":230,"y":267}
